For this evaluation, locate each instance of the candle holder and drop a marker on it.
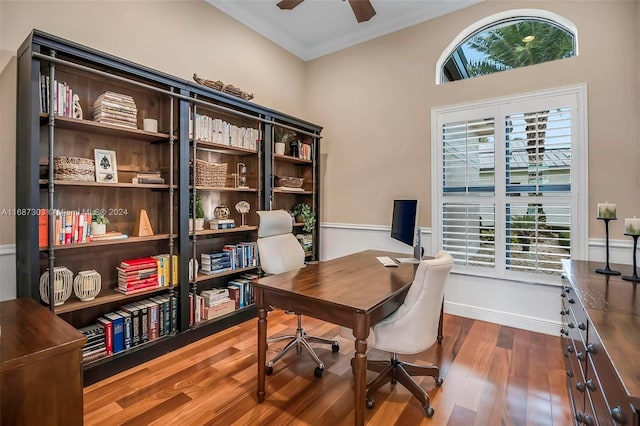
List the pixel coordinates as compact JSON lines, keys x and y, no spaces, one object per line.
{"x":634,"y":277}
{"x":607,"y":270}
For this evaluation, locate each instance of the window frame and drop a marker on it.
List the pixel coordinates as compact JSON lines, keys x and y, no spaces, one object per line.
{"x":495,"y":19}
{"x":575,"y":97}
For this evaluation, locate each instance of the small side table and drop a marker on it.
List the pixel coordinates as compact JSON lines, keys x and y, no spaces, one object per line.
{"x":40,"y":366}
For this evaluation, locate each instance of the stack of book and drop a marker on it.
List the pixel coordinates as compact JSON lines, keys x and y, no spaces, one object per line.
{"x":116,"y":109}
{"x":111,"y":235}
{"x":222,"y":224}
{"x":148,"y":177}
{"x":95,"y":347}
{"x":212,"y":263}
{"x":242,"y":255}
{"x":136,"y":275}
{"x":216,"y":303}
{"x":241,"y":292}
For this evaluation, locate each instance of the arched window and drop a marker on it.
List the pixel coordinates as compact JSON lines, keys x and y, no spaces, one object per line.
{"x":513,"y":39}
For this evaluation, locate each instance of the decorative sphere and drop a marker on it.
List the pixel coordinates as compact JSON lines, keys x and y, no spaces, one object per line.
{"x":221,"y":212}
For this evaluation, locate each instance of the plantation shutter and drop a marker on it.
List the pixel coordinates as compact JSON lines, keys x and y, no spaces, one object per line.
{"x":468,"y":176}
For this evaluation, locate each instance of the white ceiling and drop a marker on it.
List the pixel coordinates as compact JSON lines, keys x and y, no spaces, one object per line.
{"x":318,"y":27}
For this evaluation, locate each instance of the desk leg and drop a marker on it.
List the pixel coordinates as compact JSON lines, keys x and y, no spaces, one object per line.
{"x":441,"y":323}
{"x":262,"y":347}
{"x":360,"y":332}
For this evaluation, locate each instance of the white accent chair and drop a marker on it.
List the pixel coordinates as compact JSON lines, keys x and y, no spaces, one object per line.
{"x":411,"y":329}
{"x":280,"y":251}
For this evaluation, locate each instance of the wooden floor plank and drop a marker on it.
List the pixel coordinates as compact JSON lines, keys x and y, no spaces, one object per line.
{"x":491,"y":377}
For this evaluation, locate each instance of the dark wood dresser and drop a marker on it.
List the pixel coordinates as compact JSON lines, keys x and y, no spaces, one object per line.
{"x":40,"y":366}
{"x":601,"y":344}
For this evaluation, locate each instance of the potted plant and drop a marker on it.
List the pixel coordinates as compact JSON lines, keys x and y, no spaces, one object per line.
{"x":199,"y":216}
{"x":303,"y":213}
{"x":99,"y":222}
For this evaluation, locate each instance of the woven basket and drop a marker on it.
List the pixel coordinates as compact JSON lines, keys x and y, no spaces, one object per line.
{"x":74,"y":168}
{"x":210,"y":174}
{"x":289,"y":182}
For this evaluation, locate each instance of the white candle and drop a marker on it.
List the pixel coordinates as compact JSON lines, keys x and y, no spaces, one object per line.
{"x":632,"y":226}
{"x":606,"y":211}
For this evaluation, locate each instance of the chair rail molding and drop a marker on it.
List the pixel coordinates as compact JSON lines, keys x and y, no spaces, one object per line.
{"x":8,"y":271}
{"x":525,"y":305}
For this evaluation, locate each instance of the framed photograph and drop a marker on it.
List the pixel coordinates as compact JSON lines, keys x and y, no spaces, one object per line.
{"x":106,"y":166}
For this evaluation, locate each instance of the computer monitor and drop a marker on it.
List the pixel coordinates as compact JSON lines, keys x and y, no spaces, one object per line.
{"x":405,"y":227}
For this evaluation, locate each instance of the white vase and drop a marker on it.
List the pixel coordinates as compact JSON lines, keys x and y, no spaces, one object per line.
{"x":98,"y":228}
{"x":199,"y":224}
{"x":279,"y":148}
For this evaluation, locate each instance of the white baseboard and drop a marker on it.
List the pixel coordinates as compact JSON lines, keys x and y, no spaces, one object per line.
{"x":510,"y":319}
{"x":8,"y":271}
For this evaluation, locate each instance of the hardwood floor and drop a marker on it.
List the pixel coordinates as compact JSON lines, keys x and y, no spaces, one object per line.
{"x":493,"y":375}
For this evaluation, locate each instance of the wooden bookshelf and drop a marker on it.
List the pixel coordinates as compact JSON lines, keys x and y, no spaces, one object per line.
{"x":207,"y":277}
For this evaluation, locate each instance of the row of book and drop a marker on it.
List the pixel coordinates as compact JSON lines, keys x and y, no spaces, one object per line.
{"x":214,"y":303}
{"x":241,"y":255}
{"x":116,"y":109}
{"x":300,"y":150}
{"x":132,"y":325}
{"x":62,"y":97}
{"x":71,"y":227}
{"x":218,"y":131}
{"x":152,"y":176}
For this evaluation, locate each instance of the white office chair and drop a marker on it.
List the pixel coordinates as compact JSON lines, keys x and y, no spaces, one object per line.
{"x":411,"y":329}
{"x":280,"y":251}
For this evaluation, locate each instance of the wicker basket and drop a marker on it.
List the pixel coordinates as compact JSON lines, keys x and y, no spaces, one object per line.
{"x":289,"y":182}
{"x":74,"y":168}
{"x":210,"y":174}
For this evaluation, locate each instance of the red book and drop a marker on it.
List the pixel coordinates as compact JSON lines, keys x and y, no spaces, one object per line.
{"x":108,"y":333}
{"x":146,"y":282}
{"x":67,"y":227}
{"x":43,"y":230}
{"x":140,"y":263}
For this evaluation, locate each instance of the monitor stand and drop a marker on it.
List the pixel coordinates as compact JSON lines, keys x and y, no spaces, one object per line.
{"x":417,"y":251}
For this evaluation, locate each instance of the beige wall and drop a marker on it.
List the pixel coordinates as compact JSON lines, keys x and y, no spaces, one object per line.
{"x":177,"y":37}
{"x":375,"y":101}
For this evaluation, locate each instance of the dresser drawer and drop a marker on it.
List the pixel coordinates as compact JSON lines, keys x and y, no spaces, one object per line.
{"x":614,"y":395}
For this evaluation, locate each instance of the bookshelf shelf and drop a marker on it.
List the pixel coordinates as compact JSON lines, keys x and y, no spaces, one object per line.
{"x":223,"y":317}
{"x":224,"y":189}
{"x":225,"y":149}
{"x":104,"y":129}
{"x":106,"y":185}
{"x":290,"y":159}
{"x":129,"y":240}
{"x":106,"y":296}
{"x":226,"y":231}
{"x":205,"y":277}
{"x":284,"y":191}
{"x":126,"y":352}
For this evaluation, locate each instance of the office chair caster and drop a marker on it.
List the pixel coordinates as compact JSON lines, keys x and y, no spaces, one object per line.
{"x":370,"y":403}
{"x":428,"y":410}
{"x":439,"y":381}
{"x":318,"y":372}
{"x":269,"y":370}
{"x":335,"y":347}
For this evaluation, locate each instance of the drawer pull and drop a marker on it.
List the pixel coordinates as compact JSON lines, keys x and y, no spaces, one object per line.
{"x":571,"y":325}
{"x":587,"y":420}
{"x":563,"y":276}
{"x":569,"y":373}
{"x":563,"y":331}
{"x":580,"y":386}
{"x":591,"y":348}
{"x":581,"y":326}
{"x":570,"y":349}
{"x":572,"y":301}
{"x":617,"y":415}
{"x":590,"y":385}
{"x":580,"y":356}
{"x":563,"y":294}
{"x":579,"y":417}
{"x":564,"y":312}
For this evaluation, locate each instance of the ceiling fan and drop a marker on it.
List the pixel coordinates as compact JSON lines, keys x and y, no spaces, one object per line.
{"x":361,"y":8}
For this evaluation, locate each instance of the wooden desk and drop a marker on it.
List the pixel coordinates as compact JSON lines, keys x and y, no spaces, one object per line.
{"x":354,"y":291}
{"x":40,"y":366}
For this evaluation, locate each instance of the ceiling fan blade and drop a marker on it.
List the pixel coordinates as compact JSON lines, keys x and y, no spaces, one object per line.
{"x":362,"y":9}
{"x":289,"y":4}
